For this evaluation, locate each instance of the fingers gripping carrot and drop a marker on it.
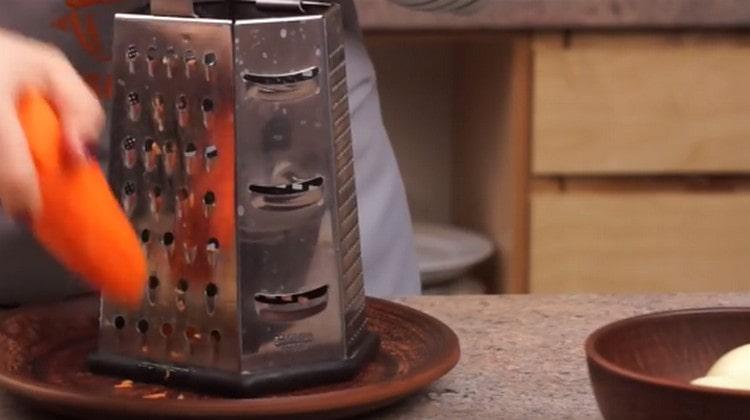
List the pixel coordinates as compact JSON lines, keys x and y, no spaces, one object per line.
{"x":81,"y":222}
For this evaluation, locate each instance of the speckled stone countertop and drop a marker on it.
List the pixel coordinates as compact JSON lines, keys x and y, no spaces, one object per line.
{"x":522,"y":356}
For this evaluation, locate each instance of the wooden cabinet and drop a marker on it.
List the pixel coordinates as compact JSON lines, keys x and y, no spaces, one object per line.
{"x":649,"y":241}
{"x":640,"y":162}
{"x":645,"y":103}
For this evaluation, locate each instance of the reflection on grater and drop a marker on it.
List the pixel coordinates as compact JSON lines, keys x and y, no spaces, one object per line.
{"x":232,"y":155}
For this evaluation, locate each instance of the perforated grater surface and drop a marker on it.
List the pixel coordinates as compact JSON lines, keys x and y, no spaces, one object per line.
{"x":231,"y":153}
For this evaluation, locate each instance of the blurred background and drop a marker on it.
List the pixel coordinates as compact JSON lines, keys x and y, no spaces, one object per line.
{"x":603,"y":146}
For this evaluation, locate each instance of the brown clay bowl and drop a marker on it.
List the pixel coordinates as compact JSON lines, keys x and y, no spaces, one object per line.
{"x":641,"y":367}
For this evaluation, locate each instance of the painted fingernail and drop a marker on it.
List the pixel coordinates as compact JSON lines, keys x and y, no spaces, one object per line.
{"x":92,"y":151}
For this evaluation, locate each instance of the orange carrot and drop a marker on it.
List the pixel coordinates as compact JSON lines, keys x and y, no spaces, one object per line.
{"x":81,"y":223}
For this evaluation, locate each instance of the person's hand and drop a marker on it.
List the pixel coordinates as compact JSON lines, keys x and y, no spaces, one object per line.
{"x":28,"y":64}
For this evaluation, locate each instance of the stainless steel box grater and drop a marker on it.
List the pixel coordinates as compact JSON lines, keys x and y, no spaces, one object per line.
{"x":231,"y":152}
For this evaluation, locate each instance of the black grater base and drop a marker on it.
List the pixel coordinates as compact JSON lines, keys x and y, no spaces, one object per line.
{"x":215,"y":382}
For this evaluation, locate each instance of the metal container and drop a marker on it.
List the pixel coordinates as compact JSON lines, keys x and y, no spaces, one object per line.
{"x":231,"y":153}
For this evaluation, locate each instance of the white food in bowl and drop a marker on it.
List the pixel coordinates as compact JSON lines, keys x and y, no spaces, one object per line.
{"x":727,"y":382}
{"x":731,"y":371}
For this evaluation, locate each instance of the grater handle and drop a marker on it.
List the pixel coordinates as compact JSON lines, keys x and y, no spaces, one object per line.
{"x":185,"y":8}
{"x":288,"y":4}
{"x":182,"y":8}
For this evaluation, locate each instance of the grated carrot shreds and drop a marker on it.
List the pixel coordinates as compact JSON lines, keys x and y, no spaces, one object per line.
{"x":127,"y":383}
{"x":155,"y":396}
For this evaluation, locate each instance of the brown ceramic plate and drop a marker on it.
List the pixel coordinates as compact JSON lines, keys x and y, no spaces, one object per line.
{"x":641,"y":367}
{"x":43,"y":351}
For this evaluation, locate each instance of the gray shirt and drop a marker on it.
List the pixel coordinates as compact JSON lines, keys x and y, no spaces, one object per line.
{"x":82,"y":29}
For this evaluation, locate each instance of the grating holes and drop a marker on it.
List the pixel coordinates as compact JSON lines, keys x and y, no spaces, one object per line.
{"x":182,"y":103}
{"x":142,"y":326}
{"x":182,"y":286}
{"x":119,"y":322}
{"x":132,"y":52}
{"x":151,"y":54}
{"x":148,"y":145}
{"x":166,"y":329}
{"x":211,"y":153}
{"x":209,"y":62}
{"x":209,"y":199}
{"x":190,"y":152}
{"x":169,"y":58}
{"x":190,"y":60}
{"x":150,"y":153}
{"x":182,"y":110}
{"x":133,"y":99}
{"x":134,"y":106}
{"x":168,"y":239}
{"x":209,"y":59}
{"x":128,"y":149}
{"x":129,"y":143}
{"x":190,"y":57}
{"x":131,"y":55}
{"x":129,"y":197}
{"x":207,"y":105}
{"x":216,"y":336}
{"x":153,"y":284}
{"x":190,"y":149}
{"x":129,"y":188}
{"x":145,"y":236}
{"x":209,"y":202}
{"x":212,"y":290}
{"x":212,"y":252}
